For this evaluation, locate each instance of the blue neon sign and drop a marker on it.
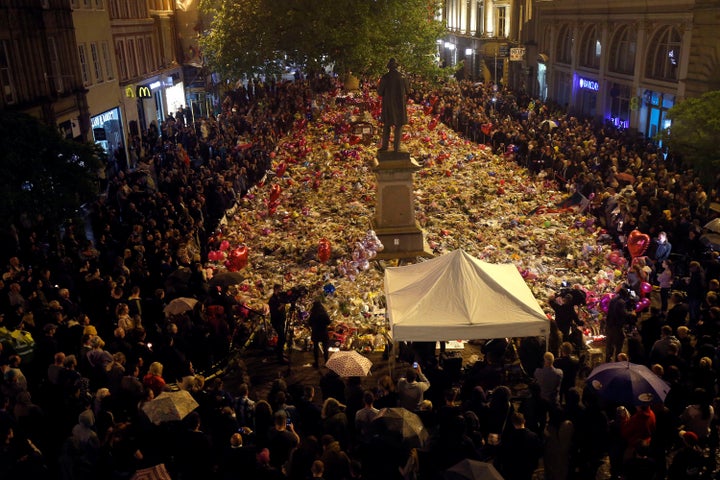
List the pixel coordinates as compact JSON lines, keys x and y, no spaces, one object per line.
{"x":588,"y":84}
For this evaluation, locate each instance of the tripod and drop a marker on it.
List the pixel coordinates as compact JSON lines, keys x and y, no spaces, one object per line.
{"x":291,"y":319}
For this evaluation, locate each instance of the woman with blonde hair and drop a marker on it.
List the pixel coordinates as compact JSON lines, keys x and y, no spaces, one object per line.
{"x":154,"y":380}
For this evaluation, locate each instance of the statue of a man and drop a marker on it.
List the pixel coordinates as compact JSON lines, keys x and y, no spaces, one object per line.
{"x":393,"y":89}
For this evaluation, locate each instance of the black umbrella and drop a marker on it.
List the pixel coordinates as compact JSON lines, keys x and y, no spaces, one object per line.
{"x":401,"y":427}
{"x":472,"y":470}
{"x":226,"y":279}
{"x":178,"y":280}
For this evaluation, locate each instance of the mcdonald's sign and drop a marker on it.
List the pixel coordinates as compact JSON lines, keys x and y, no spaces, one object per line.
{"x":129,"y":92}
{"x":143,"y":91}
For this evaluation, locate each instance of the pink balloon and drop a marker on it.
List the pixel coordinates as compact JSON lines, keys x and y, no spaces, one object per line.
{"x":642,"y":304}
{"x":645,"y":288}
{"x":605,"y":302}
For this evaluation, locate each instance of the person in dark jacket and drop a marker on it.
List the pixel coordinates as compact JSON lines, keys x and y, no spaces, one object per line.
{"x":319,"y":321}
{"x":518,"y":439}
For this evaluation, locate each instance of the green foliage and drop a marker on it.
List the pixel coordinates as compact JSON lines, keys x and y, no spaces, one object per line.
{"x":43,"y":174}
{"x":695,"y":132}
{"x":356,"y":36}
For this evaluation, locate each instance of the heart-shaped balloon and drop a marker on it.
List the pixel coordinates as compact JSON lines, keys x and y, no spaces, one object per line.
{"x":637,"y":243}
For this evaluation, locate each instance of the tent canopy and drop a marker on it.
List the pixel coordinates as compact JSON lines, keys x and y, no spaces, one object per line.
{"x":456,"y":296}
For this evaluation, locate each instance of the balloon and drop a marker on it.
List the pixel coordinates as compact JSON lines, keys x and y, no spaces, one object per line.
{"x":645,"y":288}
{"x":224,"y":245}
{"x":605,"y":302}
{"x":637,"y":243}
{"x":642,"y":304}
{"x":329,"y":289}
{"x":324,"y":250}
{"x":280,"y":169}
{"x":238,"y":258}
{"x":275,"y":193}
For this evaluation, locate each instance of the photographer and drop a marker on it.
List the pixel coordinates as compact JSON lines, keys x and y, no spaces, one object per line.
{"x":278,"y":318}
{"x":615,"y":321}
{"x":566,"y":316}
{"x":319,"y":322}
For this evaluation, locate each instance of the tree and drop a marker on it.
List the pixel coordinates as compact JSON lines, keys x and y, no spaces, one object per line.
{"x":359,"y":36}
{"x":695,"y":132}
{"x":41,"y":173}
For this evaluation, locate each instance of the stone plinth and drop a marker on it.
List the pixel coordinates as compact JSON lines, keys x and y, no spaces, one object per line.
{"x":394,"y":222}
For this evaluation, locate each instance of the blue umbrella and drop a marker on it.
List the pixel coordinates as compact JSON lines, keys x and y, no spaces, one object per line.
{"x":627,"y":383}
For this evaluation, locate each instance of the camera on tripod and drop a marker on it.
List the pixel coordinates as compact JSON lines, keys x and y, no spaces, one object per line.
{"x":294,"y":294}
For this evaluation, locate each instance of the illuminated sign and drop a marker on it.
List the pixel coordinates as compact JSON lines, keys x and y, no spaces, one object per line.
{"x":588,"y":84}
{"x":144,"y":92}
{"x":129,"y":92}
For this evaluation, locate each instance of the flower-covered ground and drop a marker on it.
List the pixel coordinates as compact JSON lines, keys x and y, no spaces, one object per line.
{"x":309,"y":222}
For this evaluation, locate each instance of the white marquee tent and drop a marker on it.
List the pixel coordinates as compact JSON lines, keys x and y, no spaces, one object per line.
{"x":456,"y":296}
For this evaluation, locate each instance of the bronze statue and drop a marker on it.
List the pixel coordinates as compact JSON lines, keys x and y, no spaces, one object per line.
{"x":393,"y":89}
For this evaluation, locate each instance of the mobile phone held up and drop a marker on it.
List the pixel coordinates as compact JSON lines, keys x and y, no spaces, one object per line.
{"x":415,"y":365}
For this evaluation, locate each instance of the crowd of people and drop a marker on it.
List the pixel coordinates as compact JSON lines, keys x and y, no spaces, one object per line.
{"x":86,"y":343}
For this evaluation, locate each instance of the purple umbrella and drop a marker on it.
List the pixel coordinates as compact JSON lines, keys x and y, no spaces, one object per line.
{"x":627,"y":383}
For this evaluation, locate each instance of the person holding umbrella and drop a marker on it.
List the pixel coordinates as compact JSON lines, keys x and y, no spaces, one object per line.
{"x":319,"y":321}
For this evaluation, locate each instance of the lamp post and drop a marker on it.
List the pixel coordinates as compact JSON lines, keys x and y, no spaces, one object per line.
{"x":469,"y":53}
{"x":495,"y":79}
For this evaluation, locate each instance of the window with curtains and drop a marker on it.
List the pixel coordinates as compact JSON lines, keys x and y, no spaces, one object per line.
{"x":563,"y":49}
{"x":663,"y":55}
{"x":6,"y":77}
{"x":97,"y":66}
{"x":590,"y":48}
{"x":623,"y":48}
{"x":107,"y":59}
{"x":84,"y":66}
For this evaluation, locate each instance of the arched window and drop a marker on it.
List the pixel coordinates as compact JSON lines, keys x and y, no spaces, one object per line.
{"x":663,"y":55}
{"x":590,"y":48}
{"x":564,"y":45}
{"x":622,"y":50}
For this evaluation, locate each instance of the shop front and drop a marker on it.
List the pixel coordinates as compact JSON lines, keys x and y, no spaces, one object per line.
{"x":587,"y":93}
{"x":653,"y":112}
{"x":107,"y":131}
{"x":153,"y":100}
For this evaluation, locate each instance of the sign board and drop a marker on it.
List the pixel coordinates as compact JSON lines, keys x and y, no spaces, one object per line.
{"x":517,"y":54}
{"x":364,"y":130}
{"x":503,"y":50}
{"x":588,"y":84}
{"x":143,"y":91}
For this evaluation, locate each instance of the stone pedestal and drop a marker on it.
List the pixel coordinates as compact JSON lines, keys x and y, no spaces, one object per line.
{"x":394,"y":222}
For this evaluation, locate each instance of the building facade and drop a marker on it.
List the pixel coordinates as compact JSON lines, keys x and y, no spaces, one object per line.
{"x":627,"y":62}
{"x":40,"y":71}
{"x":98,"y":69}
{"x":491,"y":39}
{"x":150,"y":77}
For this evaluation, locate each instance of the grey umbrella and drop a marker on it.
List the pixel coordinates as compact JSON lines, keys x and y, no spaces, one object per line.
{"x":400,"y":427}
{"x":472,"y":470}
{"x":226,"y":279}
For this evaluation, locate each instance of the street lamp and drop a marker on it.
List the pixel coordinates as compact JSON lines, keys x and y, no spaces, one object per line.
{"x":469,"y":53}
{"x":451,"y":47}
